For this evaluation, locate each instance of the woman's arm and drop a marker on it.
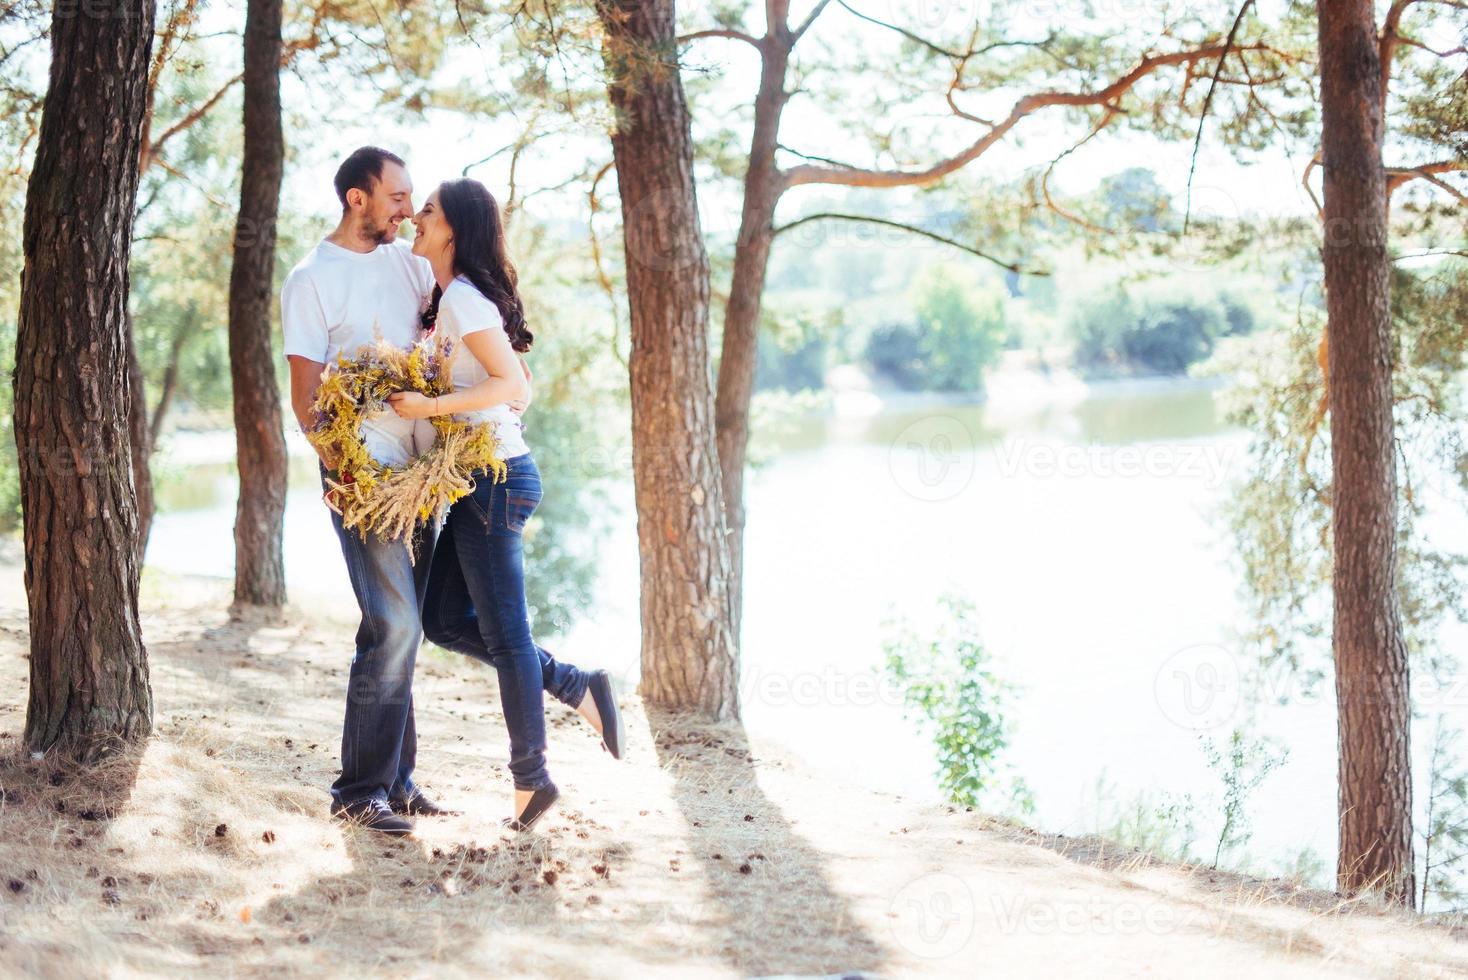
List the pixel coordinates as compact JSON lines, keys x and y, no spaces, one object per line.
{"x":506,"y":381}
{"x":519,"y":405}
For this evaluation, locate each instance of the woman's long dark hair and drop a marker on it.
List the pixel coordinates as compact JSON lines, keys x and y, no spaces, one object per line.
{"x":479,"y":255}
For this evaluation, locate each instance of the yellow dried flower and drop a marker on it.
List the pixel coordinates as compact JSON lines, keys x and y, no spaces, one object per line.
{"x":378,"y":499}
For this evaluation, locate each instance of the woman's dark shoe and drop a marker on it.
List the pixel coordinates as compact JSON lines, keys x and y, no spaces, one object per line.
{"x":613,"y":734}
{"x":540,"y":802}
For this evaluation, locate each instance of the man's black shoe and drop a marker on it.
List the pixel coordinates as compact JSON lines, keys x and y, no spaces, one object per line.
{"x":419,"y":805}
{"x":372,"y":814}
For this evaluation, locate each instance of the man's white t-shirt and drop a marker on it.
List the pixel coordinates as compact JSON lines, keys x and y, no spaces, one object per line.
{"x":463,"y":309}
{"x":336,"y":300}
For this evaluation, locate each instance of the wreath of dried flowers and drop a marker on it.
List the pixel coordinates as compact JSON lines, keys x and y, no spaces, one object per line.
{"x":372,"y":497}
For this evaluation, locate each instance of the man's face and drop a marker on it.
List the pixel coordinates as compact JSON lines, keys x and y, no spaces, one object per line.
{"x":388,"y":205}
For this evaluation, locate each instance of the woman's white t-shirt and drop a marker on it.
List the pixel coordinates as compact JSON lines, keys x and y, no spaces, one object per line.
{"x":462,"y":310}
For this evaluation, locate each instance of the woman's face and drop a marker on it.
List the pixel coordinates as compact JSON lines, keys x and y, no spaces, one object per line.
{"x":434,"y":238}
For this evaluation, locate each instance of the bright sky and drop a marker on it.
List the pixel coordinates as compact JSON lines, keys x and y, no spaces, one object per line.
{"x":441,"y":147}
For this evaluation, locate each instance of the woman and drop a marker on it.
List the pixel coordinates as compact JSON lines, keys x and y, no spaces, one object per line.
{"x":476,"y":582}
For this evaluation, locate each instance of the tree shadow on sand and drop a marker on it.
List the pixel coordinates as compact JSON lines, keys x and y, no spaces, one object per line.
{"x":512,"y":905}
{"x":777,"y":911}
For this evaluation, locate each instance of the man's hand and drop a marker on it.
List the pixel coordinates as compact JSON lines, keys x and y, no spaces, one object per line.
{"x":328,"y":459}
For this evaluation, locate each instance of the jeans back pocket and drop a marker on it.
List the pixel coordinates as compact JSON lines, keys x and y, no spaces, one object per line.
{"x":520,"y":503}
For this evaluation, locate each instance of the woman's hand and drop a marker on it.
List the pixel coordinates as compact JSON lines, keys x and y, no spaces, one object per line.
{"x":412,"y":405}
{"x":506,"y":381}
{"x":519,"y":405}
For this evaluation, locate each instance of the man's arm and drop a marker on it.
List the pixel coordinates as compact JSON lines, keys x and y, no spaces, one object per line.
{"x":306,"y":337}
{"x":305,"y":379}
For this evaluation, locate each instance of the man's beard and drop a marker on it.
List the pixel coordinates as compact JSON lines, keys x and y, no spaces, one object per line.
{"x":379,"y":234}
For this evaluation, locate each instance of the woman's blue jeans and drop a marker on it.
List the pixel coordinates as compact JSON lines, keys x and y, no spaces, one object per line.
{"x":476,"y":606}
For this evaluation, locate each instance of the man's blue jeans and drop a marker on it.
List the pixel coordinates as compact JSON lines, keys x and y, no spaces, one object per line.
{"x":379,"y":738}
{"x":476,"y":606}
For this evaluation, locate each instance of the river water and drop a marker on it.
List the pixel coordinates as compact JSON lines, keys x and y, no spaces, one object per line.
{"x":1083,"y":523}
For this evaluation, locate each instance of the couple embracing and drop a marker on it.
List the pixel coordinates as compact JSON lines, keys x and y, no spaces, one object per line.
{"x":464,"y":584}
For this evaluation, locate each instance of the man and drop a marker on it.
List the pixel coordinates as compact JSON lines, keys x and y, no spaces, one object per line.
{"x":355,"y":284}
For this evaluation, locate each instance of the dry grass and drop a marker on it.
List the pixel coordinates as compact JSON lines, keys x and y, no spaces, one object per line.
{"x":706,"y":852}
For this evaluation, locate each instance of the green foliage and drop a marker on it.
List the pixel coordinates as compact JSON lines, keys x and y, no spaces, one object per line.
{"x":794,"y":353}
{"x":1305,"y":867}
{"x":576,"y":425}
{"x":1164,"y":824}
{"x":1134,"y":199}
{"x":1117,"y":333}
{"x":1445,"y":834}
{"x":1160,"y":824}
{"x":9,"y":463}
{"x":561,"y":543}
{"x":895,"y":352}
{"x":956,"y":334}
{"x":946,"y":682}
{"x":1280,"y":511}
{"x":12,"y":205}
{"x":1242,"y":765}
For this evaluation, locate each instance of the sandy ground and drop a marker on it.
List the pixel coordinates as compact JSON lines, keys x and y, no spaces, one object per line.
{"x":705,"y":852}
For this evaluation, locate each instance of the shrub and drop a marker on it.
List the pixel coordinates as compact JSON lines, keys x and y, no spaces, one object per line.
{"x":956,"y":333}
{"x":1118,"y":334}
{"x":945,"y":679}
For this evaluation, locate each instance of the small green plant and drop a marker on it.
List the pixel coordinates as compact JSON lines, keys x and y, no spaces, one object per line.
{"x":1242,"y":764}
{"x":1305,"y":867}
{"x":1445,"y":838}
{"x":945,"y":679}
{"x":1159,"y":824}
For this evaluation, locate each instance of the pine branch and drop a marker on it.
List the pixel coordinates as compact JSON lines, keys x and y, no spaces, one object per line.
{"x":194,"y":115}
{"x":809,"y":20}
{"x":1010,"y":266}
{"x":1207,"y":103}
{"x":720,"y":32}
{"x":862,"y":177}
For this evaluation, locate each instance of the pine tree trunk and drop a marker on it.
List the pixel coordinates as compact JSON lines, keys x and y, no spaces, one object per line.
{"x":1370,"y":651}
{"x":689,"y":660}
{"x":259,"y":515}
{"x":762,"y":190}
{"x":88,"y":665}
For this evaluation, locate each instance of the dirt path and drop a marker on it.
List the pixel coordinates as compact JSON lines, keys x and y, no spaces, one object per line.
{"x":704,"y":853}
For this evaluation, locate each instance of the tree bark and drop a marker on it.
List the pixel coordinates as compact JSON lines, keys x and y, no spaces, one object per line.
{"x":260,"y":513}
{"x":1372,"y":694}
{"x":88,"y":665}
{"x":689,"y":659}
{"x":740,"y":355}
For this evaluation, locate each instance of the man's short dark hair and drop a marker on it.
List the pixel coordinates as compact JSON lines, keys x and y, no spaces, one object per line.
{"x":363,"y":169}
